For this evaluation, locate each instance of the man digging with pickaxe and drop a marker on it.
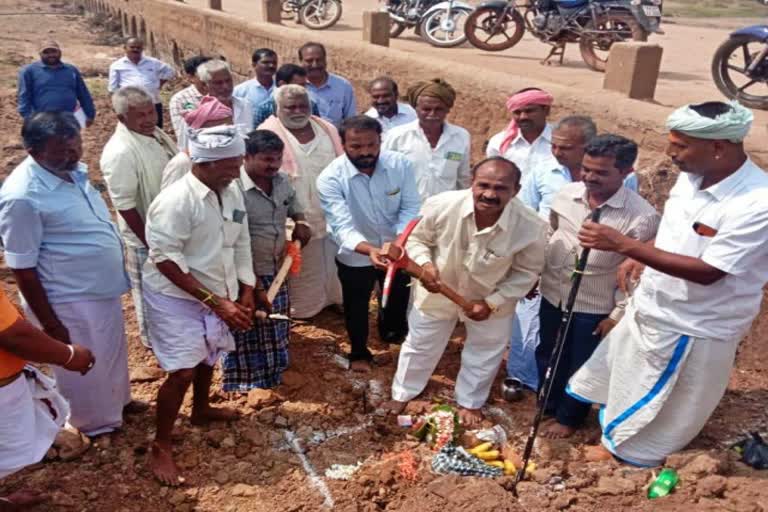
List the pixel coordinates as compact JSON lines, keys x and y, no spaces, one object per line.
{"x":490,"y":250}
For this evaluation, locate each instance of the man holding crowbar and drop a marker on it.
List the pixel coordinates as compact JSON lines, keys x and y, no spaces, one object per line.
{"x":490,"y":250}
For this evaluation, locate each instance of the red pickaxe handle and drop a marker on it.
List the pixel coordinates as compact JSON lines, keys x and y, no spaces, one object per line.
{"x":393,"y":266}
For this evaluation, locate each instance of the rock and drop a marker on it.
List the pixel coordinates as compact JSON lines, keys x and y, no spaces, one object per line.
{"x":258,"y":398}
{"x":615,"y":486}
{"x":228,"y":442}
{"x":267,"y":415}
{"x":243,"y":490}
{"x":71,"y":444}
{"x":221,"y":478}
{"x":146,"y":374}
{"x":545,"y":474}
{"x":177,"y":498}
{"x":418,"y":407}
{"x":711,"y":486}
{"x":444,"y":486}
{"x":293,"y":379}
{"x":243,"y":467}
{"x":701,"y":466}
{"x":563,"y":502}
{"x":215,"y":437}
{"x":281,"y":422}
{"x":254,"y":436}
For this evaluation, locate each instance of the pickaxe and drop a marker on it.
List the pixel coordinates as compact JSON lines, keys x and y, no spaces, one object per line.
{"x":404,"y":263}
{"x":292,"y":263}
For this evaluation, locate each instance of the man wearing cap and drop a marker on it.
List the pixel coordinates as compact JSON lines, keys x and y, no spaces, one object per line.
{"x":141,"y":71}
{"x":210,"y":112}
{"x":664,"y":368}
{"x":438,"y":150}
{"x":50,"y":85}
{"x":198,"y":282}
{"x":527,"y":139}
{"x":132,"y":163}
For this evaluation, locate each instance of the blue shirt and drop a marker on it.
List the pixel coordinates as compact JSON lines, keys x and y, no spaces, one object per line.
{"x":336,"y":99}
{"x":544,"y":182}
{"x":44,"y":88}
{"x":253,"y":91}
{"x":63,"y":230}
{"x":267,"y":108}
{"x":361,"y":208}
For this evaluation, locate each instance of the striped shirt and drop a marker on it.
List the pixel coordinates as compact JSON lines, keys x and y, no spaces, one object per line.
{"x":183,"y":101}
{"x":626,"y":212}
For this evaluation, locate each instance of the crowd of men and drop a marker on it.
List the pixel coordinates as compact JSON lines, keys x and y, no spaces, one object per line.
{"x":282,"y":164}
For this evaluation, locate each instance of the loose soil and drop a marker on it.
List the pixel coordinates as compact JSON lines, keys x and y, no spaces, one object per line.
{"x":275,"y":457}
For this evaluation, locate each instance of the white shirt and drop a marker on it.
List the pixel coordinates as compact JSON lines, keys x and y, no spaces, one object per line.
{"x":175,"y":169}
{"x":404,"y":115}
{"x":736,"y":209}
{"x":242,"y":116}
{"x":498,"y":264}
{"x":147,"y":74}
{"x":440,"y":169}
{"x":524,"y":154}
{"x":186,"y":225}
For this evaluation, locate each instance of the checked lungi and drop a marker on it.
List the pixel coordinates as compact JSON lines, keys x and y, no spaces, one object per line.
{"x":261,"y":353}
{"x":135,"y":257}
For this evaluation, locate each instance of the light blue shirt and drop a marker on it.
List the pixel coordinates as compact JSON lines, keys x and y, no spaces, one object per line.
{"x":253,"y":91}
{"x":63,"y":230}
{"x":335,"y":98}
{"x":361,"y":208}
{"x":544,"y":182}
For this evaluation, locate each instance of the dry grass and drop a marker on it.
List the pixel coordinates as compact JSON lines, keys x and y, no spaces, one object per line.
{"x":716,"y":8}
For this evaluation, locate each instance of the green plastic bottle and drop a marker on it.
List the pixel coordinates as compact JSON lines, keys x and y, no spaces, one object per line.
{"x":664,"y":483}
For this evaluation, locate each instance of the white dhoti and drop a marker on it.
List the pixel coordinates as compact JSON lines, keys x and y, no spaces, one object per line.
{"x":317,"y":285}
{"x":185,"y":333}
{"x":97,"y":398}
{"x":33,"y":412}
{"x":656,"y":389}
{"x":424,"y":346}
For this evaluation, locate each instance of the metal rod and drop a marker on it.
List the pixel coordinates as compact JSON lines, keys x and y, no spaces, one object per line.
{"x":554,"y":358}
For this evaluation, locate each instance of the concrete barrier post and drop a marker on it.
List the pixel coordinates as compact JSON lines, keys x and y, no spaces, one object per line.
{"x":271,"y":11}
{"x":376,"y":27}
{"x":214,"y":4}
{"x":633,"y":69}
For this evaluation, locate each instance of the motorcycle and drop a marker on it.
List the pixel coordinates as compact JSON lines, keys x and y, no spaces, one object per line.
{"x":313,"y":14}
{"x":440,"y":23}
{"x":595,"y":25}
{"x":741,"y":63}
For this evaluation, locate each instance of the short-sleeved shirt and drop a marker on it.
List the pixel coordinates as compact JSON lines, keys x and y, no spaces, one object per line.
{"x":440,"y":169}
{"x":147,"y":74}
{"x":726,"y":226}
{"x":63,"y":230}
{"x":267,"y":215}
{"x":9,"y":364}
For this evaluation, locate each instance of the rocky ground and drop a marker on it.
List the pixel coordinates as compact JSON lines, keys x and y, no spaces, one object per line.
{"x":274,"y":459}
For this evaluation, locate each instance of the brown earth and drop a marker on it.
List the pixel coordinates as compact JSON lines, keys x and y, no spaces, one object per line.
{"x":250,"y":466}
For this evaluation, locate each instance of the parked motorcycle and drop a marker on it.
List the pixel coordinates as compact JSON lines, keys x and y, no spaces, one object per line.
{"x":740,"y":66}
{"x":313,"y":14}
{"x":439,"y":22}
{"x":595,"y":25}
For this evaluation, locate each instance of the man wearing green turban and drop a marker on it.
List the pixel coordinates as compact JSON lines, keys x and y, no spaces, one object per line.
{"x":438,"y":150}
{"x":664,"y":368}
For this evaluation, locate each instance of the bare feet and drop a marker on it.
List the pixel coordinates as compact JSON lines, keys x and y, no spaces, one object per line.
{"x":21,"y":500}
{"x":135,"y":407}
{"x":360,"y":366}
{"x":209,"y":414}
{"x":393,"y":406}
{"x":470,"y":418}
{"x":555,"y":430}
{"x":596,"y":453}
{"x":162,"y":465}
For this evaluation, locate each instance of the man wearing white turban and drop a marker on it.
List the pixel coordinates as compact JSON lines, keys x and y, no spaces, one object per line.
{"x":198,"y":281}
{"x":663,"y":369}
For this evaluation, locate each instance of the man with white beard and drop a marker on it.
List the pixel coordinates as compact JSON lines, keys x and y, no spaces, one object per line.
{"x":311,"y":143}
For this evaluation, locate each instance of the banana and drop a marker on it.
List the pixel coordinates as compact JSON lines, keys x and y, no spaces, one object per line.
{"x":481,"y":448}
{"x":489,"y":455}
{"x":495,"y":463}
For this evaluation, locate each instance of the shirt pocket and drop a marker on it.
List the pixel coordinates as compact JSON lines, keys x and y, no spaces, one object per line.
{"x":232,"y":231}
{"x":450,"y":169}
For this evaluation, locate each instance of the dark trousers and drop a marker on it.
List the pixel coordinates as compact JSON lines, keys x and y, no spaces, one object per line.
{"x":159,"y":110}
{"x":579,"y":345}
{"x":356,"y":286}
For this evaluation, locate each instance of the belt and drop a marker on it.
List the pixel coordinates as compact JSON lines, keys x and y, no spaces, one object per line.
{"x":7,"y":380}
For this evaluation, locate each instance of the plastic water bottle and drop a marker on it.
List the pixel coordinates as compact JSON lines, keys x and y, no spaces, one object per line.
{"x":663,"y":485}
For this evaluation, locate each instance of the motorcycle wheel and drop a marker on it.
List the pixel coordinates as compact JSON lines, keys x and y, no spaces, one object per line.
{"x":396,"y":28}
{"x":287,"y":10}
{"x":615,"y":28}
{"x":320,"y":14}
{"x":728,"y":73}
{"x":482,"y":22}
{"x":445,"y":33}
